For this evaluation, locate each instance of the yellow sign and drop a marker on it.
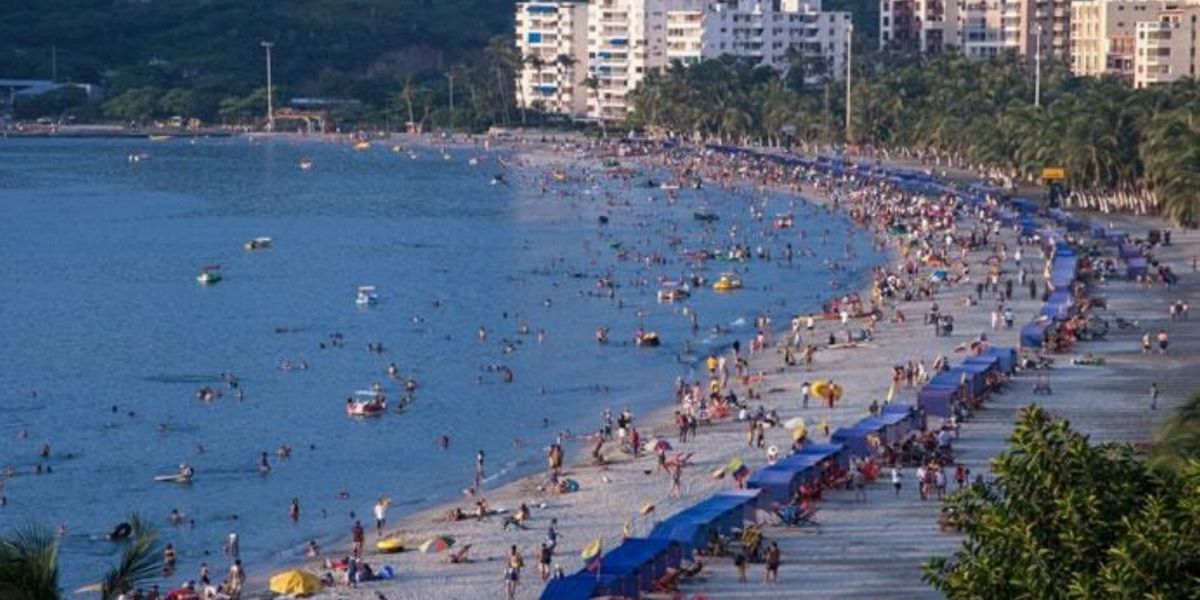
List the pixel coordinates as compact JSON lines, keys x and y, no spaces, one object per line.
{"x":1054,"y":174}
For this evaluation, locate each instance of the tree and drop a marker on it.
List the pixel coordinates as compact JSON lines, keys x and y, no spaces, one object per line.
{"x":29,"y":563}
{"x":1067,"y":519}
{"x":137,"y":104}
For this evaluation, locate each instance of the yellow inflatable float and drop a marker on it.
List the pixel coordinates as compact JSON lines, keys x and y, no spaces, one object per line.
{"x":825,"y":389}
{"x":390,"y":545}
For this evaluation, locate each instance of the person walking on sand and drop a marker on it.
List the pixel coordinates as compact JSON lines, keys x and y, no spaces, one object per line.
{"x":1154,"y":396}
{"x":676,"y":480}
{"x":380,"y":510}
{"x":772,"y":567}
{"x":1162,"y":341}
{"x":896,"y":479}
{"x":545,"y":556}
{"x":805,"y":390}
{"x":1146,"y":342}
{"x":356,"y":537}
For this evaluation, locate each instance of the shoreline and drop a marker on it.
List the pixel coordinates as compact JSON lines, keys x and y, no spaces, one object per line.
{"x":530,"y":154}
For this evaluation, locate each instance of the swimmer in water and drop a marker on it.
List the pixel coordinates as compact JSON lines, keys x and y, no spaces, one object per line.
{"x":264,"y":466}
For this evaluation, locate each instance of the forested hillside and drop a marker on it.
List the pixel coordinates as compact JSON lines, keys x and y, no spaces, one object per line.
{"x":328,"y":47}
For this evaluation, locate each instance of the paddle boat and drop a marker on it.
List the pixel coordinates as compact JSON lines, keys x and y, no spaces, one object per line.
{"x":209,"y":275}
{"x":258,"y":243}
{"x":366,"y":403}
{"x":366,"y":296}
{"x":727,"y":283}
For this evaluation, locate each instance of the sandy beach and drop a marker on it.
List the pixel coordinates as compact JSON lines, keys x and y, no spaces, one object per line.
{"x":872,"y":548}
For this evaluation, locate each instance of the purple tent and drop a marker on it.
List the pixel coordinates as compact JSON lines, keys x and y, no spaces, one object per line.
{"x":936,"y":401}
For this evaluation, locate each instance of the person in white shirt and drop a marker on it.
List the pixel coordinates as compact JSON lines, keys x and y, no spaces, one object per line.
{"x":380,"y":515}
{"x":896,"y":479}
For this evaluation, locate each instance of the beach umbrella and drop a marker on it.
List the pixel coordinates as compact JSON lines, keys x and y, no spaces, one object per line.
{"x":662,"y":445}
{"x":799,"y":433}
{"x":295,"y":583}
{"x":734,"y":465}
{"x":436,"y":544}
{"x":795,"y":423}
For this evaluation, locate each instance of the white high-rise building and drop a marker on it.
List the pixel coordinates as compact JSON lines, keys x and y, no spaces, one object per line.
{"x":1165,"y":49}
{"x":774,"y":32}
{"x":616,"y":43}
{"x":552,"y":41}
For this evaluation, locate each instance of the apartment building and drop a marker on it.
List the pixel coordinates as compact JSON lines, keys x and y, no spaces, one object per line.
{"x":927,"y":26}
{"x":773,"y":32}
{"x":552,"y":40}
{"x":617,"y":42}
{"x":1165,"y":49}
{"x":1103,"y":34}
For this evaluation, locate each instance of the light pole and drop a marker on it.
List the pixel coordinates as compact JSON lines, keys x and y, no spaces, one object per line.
{"x":849,"y":60}
{"x":270,"y":96}
{"x":1037,"y":68}
{"x":450,"y":76}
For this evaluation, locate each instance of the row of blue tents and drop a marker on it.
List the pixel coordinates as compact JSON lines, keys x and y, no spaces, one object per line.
{"x":937,"y":397}
{"x":1064,"y":269}
{"x":780,"y":481}
{"x":632,"y":568}
{"x":891,"y":425}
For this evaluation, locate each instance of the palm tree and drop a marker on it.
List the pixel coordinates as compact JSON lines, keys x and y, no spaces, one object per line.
{"x":505,"y":59}
{"x":29,"y":563}
{"x":565,"y":64}
{"x":593,"y":85}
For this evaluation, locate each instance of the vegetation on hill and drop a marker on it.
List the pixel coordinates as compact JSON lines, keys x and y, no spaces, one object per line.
{"x":1068,"y":519}
{"x":186,"y":57}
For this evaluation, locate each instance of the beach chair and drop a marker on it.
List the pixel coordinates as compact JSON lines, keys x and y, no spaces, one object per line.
{"x":795,"y":516}
{"x":460,"y":556}
{"x":668,"y":583}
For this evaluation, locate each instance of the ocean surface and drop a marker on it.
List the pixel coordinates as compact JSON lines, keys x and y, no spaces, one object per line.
{"x":105,"y":335}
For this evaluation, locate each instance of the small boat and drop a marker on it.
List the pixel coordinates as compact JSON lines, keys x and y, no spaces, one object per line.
{"x":648,"y":339}
{"x":176,"y":478}
{"x":209,"y":275}
{"x":161,"y":138}
{"x":397,"y":149}
{"x":704,"y":215}
{"x":559,"y":176}
{"x":138,"y":157}
{"x":258,"y":243}
{"x":727,"y":283}
{"x":782,"y":222}
{"x":366,"y":403}
{"x":361,"y":145}
{"x":306,"y":164}
{"x":672,"y":291}
{"x":366,"y":296}
{"x":474,"y":162}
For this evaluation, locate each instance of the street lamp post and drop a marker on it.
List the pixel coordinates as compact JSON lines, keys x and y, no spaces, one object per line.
{"x":849,"y":60}
{"x":450,"y":76}
{"x":1037,"y":68}
{"x":270,"y":95}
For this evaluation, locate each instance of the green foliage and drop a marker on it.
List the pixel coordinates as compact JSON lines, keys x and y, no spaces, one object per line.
{"x":29,"y":564}
{"x":51,"y":104}
{"x":1107,"y":135}
{"x":1067,"y":519}
{"x":1179,"y":439}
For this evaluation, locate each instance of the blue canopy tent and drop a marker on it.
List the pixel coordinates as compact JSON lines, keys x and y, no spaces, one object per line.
{"x":978,"y":372}
{"x":643,"y":559}
{"x":825,"y":451}
{"x":936,"y":401}
{"x":747,"y":500}
{"x":954,"y":378}
{"x":1074,"y":223}
{"x":1058,"y":312}
{"x":1033,"y":335}
{"x":1130,"y":250}
{"x":1136,"y":266}
{"x":1114,"y":236}
{"x":990,"y":361}
{"x":1006,"y":356}
{"x":691,"y":527}
{"x":1023,"y":205}
{"x":780,"y":481}
{"x":1007,"y":217}
{"x":897,"y":425}
{"x":584,"y":586}
{"x":855,"y":440}
{"x":1099,"y":231}
{"x":908,"y":411}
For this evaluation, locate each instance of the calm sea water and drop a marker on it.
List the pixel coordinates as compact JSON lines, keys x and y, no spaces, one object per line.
{"x":99,"y":308}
